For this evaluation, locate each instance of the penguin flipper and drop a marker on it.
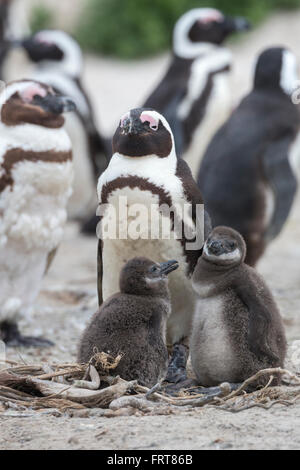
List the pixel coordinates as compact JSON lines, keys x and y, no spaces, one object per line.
{"x":283,"y":184}
{"x":99,"y":272}
{"x":260,"y":319}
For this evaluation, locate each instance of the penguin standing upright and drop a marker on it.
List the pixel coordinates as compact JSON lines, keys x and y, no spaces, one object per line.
{"x":35,"y":184}
{"x":194,"y":94}
{"x":237,"y":328}
{"x":133,"y":322}
{"x":248,"y":175}
{"x":155,"y":189}
{"x":56,"y":59}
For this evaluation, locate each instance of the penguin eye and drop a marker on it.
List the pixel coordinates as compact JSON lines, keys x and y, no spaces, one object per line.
{"x":153,"y":269}
{"x":151,"y":120}
{"x":232,"y":245}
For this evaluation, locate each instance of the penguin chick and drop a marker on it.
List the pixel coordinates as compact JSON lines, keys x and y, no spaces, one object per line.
{"x":133,"y":322}
{"x":237,"y":327}
{"x":194,"y":93}
{"x":56,"y":59}
{"x":249,"y":172}
{"x":35,"y":184}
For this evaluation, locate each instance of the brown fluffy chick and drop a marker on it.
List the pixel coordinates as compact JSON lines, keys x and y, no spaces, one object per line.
{"x":133,"y":322}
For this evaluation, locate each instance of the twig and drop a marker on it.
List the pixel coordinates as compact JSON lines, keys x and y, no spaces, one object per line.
{"x":260,"y":373}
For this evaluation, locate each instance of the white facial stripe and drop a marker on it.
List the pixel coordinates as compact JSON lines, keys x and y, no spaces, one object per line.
{"x":289,"y":73}
{"x":159,"y":117}
{"x":233,"y":255}
{"x":10,"y":90}
{"x":71,"y":63}
{"x":182,"y":45}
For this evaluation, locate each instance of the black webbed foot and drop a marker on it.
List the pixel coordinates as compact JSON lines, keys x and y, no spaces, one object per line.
{"x":10,"y":334}
{"x":177,"y":365}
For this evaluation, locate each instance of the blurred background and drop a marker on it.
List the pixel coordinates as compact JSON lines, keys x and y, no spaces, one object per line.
{"x":127,"y":43}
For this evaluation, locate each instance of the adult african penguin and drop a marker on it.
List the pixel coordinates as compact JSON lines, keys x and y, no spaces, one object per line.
{"x":237,"y":328}
{"x":36,"y":176}
{"x":56,"y":59}
{"x":194,"y":93}
{"x":133,"y":322}
{"x":146,"y":178}
{"x":248,"y":175}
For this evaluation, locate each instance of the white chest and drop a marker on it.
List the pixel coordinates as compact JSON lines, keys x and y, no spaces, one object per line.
{"x":140,"y":229}
{"x":211,"y":351}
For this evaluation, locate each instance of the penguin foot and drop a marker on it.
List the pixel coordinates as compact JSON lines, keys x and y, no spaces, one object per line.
{"x":177,"y":365}
{"x":219,"y":391}
{"x":10,"y":334}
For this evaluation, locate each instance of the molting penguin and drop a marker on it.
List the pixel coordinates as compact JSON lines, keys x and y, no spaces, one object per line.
{"x":57,"y":61}
{"x":194,"y":93}
{"x":237,"y":327}
{"x":35,"y":184}
{"x":133,"y":322}
{"x":248,"y":174}
{"x":155,"y":190}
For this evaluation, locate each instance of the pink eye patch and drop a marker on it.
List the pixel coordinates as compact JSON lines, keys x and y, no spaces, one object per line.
{"x":28,"y":94}
{"x":209,"y":18}
{"x":153,"y":122}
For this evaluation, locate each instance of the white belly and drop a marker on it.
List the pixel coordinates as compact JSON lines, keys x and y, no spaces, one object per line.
{"x":211,"y":352}
{"x":32,"y":218}
{"x":116,"y":252}
{"x":216,"y":113}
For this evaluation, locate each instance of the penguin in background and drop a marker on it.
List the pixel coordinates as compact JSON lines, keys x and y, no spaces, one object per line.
{"x":237,"y":327}
{"x":144,"y":173}
{"x":194,"y":93}
{"x":56,"y":59}
{"x":36,"y":176}
{"x":249,"y":174}
{"x":13,"y":24}
{"x":133,"y":322}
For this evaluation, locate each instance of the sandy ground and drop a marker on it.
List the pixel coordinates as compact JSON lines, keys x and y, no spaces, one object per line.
{"x":68,"y":298}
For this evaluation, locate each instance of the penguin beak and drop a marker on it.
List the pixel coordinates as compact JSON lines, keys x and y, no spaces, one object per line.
{"x":168,"y":266}
{"x":55,"y":104}
{"x":241,"y":24}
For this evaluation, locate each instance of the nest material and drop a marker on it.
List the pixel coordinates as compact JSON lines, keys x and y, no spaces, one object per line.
{"x":64,"y":387}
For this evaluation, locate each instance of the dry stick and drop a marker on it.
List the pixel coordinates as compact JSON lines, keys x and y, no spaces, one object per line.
{"x":260,"y":405}
{"x":57,"y":374}
{"x":260,"y":373}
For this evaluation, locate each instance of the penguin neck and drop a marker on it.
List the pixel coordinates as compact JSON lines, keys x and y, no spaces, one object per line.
{"x":30,"y":137}
{"x":186,"y":49}
{"x":150,"y":167}
{"x":209,"y":278}
{"x":66,"y":67}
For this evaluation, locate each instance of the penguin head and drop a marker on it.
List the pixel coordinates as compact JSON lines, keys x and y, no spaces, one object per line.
{"x":54,"y":48}
{"x":276,"y":69}
{"x":143,"y":132}
{"x":141,"y":276}
{"x":224,"y":246}
{"x":32,"y":102}
{"x":203,"y":25}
